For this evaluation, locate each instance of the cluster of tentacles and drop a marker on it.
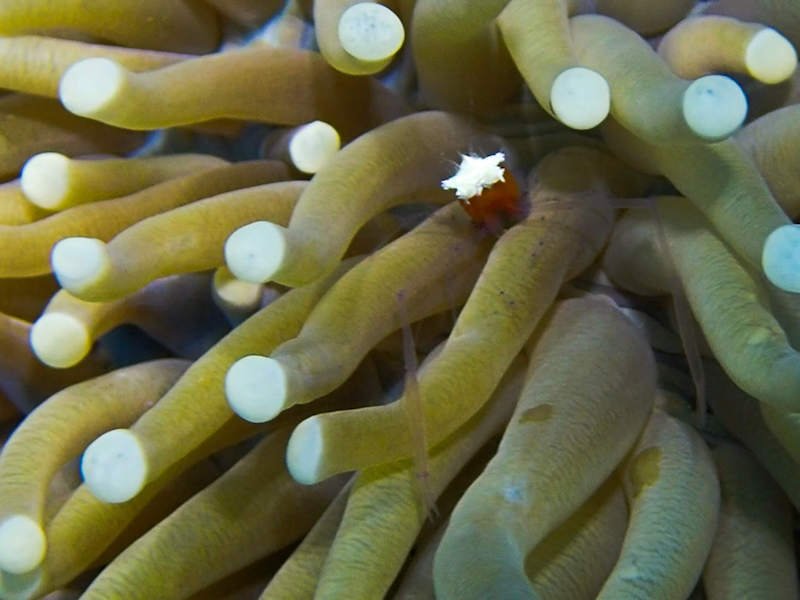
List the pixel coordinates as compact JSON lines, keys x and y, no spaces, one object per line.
{"x":491,"y":299}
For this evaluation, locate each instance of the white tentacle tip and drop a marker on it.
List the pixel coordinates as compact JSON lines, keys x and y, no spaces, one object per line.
{"x":770,"y":57}
{"x":257,"y":388}
{"x":313,"y":145}
{"x":45,"y":179}
{"x":304,"y":452}
{"x":256,"y":251}
{"x":714,"y":107}
{"x":22,"y":544}
{"x":60,"y":340}
{"x":79,"y":262}
{"x":88,"y":86}
{"x":233,"y":293}
{"x":780,"y":258}
{"x":580,"y":98}
{"x":114,"y":466}
{"x":370,"y":32}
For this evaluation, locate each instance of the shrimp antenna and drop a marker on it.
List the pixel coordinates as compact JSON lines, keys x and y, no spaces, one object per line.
{"x":416,"y":420}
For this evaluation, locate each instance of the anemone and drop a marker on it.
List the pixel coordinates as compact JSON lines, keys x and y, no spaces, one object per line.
{"x":399,"y":299}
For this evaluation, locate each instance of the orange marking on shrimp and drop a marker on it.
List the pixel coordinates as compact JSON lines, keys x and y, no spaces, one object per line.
{"x":495,"y":205}
{"x":488,"y":193}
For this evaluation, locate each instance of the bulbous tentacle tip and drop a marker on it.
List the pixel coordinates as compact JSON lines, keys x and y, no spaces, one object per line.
{"x":45,"y":179}
{"x":304,"y":452}
{"x":780,"y":258}
{"x":256,"y":251}
{"x":22,"y":544}
{"x":714,"y":107}
{"x":80,"y":262}
{"x":230,"y":292}
{"x":370,"y":32}
{"x":770,"y":57}
{"x":114,"y":466}
{"x":580,"y":98}
{"x":60,"y":340}
{"x":88,"y":86}
{"x":312,"y":146}
{"x":257,"y":388}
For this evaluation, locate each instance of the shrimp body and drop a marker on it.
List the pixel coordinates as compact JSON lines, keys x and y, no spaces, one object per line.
{"x":488,"y":193}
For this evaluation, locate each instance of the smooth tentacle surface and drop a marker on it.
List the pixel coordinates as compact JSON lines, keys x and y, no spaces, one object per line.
{"x":317,"y":361}
{"x":710,"y":108}
{"x":703,"y":45}
{"x":734,"y":568}
{"x":670,"y":468}
{"x":217,"y":86}
{"x":754,"y":350}
{"x":372,"y":174}
{"x":180,"y":26}
{"x":102,"y":220}
{"x":519,"y":282}
{"x":572,"y":93}
{"x":260,"y":244}
{"x":30,"y":459}
{"x":196,"y":234}
{"x":509,"y":510}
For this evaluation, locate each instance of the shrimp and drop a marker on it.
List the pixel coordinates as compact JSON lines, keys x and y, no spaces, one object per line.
{"x":488,"y":193}
{"x":416,"y":422}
